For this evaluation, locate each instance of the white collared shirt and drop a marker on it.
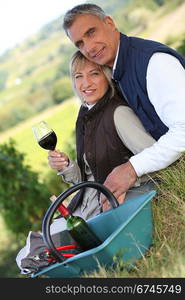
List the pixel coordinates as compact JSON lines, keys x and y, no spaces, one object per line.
{"x":116,"y":58}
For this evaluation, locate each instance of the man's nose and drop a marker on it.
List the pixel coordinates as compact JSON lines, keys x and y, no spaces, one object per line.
{"x":90,"y":47}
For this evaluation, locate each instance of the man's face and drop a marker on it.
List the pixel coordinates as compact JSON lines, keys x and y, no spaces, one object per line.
{"x":96,"y":39}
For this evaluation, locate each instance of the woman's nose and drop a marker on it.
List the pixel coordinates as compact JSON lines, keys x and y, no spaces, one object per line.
{"x":86,"y":82}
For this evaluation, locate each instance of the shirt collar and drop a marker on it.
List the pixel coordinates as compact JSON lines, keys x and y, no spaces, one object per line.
{"x":116,"y":58}
{"x":89,"y":106}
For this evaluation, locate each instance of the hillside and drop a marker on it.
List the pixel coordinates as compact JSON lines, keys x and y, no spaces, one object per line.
{"x":62,"y":119}
{"x":34,"y":75}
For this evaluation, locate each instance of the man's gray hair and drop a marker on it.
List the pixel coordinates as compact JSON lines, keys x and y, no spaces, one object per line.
{"x":87,"y":8}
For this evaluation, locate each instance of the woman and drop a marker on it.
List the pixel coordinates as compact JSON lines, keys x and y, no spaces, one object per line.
{"x":107,"y":134}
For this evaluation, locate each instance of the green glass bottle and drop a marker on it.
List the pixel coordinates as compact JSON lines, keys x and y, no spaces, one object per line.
{"x":79,"y":230}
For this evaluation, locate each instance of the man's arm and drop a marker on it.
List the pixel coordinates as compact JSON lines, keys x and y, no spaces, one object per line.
{"x":166,"y":90}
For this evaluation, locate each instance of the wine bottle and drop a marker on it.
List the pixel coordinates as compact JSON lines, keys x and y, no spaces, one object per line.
{"x":79,"y":230}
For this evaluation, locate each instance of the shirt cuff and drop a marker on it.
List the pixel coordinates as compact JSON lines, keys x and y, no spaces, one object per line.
{"x":135,"y":162}
{"x":71,"y":164}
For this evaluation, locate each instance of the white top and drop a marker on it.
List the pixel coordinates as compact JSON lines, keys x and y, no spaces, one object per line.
{"x":166,"y":91}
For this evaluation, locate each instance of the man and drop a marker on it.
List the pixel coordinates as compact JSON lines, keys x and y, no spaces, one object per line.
{"x":151,"y":77}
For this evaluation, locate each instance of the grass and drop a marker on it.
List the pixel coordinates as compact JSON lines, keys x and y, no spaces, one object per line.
{"x":9,"y":247}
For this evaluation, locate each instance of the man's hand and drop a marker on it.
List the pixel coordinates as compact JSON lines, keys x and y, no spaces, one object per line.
{"x":119,"y":181}
{"x":106,"y":204}
{"x":58,"y":160}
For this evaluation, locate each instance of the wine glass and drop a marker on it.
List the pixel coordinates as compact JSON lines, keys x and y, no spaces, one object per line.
{"x":45,"y":135}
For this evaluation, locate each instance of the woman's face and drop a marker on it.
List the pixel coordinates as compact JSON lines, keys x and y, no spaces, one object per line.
{"x":90,"y":82}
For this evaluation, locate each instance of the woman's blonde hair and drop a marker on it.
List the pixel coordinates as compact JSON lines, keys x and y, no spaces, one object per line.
{"x":78,"y":60}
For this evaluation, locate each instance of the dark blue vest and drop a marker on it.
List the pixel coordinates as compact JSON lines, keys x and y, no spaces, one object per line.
{"x":130,"y":73}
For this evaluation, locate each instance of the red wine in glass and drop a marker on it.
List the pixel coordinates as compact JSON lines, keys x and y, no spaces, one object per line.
{"x":45,"y":135}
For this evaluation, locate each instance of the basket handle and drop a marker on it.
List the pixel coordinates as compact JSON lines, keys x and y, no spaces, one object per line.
{"x":53,"y":207}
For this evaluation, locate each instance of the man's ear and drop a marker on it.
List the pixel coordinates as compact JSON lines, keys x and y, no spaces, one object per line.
{"x":108,"y":20}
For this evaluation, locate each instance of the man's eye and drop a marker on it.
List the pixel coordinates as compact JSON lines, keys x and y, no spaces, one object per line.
{"x":79,"y":44}
{"x":91,"y":32}
{"x":78,"y":76}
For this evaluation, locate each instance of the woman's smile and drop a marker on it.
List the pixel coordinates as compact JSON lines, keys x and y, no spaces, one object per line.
{"x":89,"y":92}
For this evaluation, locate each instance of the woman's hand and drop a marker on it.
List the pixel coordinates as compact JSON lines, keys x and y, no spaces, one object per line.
{"x":58,"y":160}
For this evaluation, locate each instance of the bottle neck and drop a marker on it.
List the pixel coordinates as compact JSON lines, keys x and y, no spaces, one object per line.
{"x":64,"y":211}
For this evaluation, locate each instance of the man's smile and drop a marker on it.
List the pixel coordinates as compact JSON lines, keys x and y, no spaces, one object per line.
{"x":99,"y":53}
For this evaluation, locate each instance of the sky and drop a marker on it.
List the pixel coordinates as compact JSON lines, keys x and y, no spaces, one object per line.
{"x":21,"y":18}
